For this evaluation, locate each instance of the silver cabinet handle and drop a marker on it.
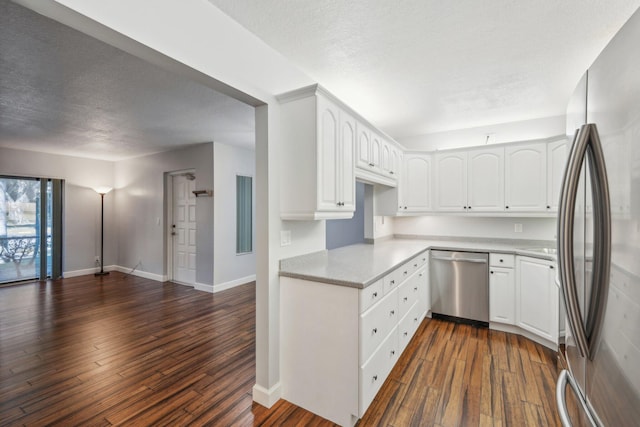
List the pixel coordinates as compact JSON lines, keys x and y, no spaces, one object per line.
{"x":561,"y":400}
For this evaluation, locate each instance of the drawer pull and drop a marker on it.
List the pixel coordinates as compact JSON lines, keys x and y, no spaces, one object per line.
{"x":393,"y":352}
{"x":415,"y":288}
{"x":405,"y":273}
{"x":375,"y":378}
{"x":501,"y":260}
{"x":405,"y":334}
{"x":415,"y":265}
{"x":420,"y":275}
{"x":415,"y":319}
{"x":405,"y":299}
{"x":375,"y":295}
{"x":375,"y":331}
{"x":393,"y":282}
{"x":393,"y":312}
{"x":492,"y":272}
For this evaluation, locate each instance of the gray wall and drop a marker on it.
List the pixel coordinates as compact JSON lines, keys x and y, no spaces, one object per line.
{"x":141,"y":215}
{"x":230,"y":161}
{"x":343,"y":232}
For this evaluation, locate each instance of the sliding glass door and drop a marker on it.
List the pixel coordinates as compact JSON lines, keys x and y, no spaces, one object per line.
{"x":30,"y":222}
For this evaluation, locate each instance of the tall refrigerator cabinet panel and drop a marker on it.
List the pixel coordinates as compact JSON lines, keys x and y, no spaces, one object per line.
{"x":599,"y":241}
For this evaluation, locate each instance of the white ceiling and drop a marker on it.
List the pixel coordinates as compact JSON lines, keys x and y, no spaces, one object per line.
{"x":67,"y":93}
{"x":419,"y":66}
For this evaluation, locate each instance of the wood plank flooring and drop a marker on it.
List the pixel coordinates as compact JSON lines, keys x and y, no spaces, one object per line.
{"x":122,"y":350}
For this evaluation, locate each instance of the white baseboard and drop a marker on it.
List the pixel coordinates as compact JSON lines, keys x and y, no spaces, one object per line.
{"x":233,"y":283}
{"x":86,"y":271}
{"x":267,"y":398}
{"x":144,"y":274}
{"x":203,"y":287}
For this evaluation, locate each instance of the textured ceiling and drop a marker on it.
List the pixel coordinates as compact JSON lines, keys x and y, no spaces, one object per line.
{"x":64,"y":92}
{"x":419,"y":66}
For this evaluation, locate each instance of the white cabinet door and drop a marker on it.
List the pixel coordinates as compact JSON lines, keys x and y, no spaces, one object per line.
{"x":328,"y":150}
{"x":526,"y":177}
{"x":416,"y":183}
{"x":347,"y":179}
{"x":396,"y":162}
{"x":385,"y":158}
{"x":375,"y":152}
{"x":451,"y":182}
{"x":502,"y":295}
{"x":537,"y":297}
{"x":556,"y":160}
{"x":485,"y":183}
{"x":363,"y":156}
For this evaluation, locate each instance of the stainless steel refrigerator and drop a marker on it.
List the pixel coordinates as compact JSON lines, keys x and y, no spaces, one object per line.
{"x":599,"y":241}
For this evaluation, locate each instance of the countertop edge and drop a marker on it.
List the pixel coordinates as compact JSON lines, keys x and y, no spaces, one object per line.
{"x":427,"y":246}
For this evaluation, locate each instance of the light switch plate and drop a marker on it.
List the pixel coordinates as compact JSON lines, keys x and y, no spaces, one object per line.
{"x":285,"y":237}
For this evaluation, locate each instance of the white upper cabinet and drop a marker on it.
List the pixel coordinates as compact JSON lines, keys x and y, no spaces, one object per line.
{"x":376,"y":152}
{"x":336,"y":181}
{"x":556,"y":160}
{"x":526,"y":177}
{"x":329,"y":150}
{"x":363,"y":152}
{"x":485,"y":183}
{"x":376,"y":158}
{"x":347,"y":178}
{"x":316,"y":163}
{"x":416,"y":194}
{"x":451,"y":181}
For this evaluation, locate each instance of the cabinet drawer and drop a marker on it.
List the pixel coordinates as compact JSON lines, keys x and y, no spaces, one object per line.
{"x":371,"y":295}
{"x":408,"y":326}
{"x":409,"y":293}
{"x":375,"y":371}
{"x":390,"y":281}
{"x":376,"y":323}
{"x":502,"y":260}
{"x":404,"y":272}
{"x":422,"y":259}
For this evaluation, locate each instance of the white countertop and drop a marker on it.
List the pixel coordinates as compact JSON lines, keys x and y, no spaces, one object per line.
{"x":360,"y":265}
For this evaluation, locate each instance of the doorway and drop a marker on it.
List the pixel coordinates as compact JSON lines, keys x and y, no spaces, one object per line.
{"x":183,"y":231}
{"x":30,"y":223}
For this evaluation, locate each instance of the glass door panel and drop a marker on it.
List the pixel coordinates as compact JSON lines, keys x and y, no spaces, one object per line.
{"x":21,"y":225}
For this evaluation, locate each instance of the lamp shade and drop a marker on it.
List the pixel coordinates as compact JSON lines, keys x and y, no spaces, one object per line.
{"x":102,"y":190}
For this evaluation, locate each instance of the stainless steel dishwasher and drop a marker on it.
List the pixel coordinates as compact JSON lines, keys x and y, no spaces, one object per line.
{"x":460,"y":285}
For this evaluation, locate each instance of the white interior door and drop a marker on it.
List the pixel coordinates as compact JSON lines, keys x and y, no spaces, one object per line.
{"x":184,"y":229}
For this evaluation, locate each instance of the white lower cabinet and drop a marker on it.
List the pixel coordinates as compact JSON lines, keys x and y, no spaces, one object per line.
{"x":502,"y":288}
{"x":537,"y":297}
{"x":339,"y":344}
{"x":502,"y":292}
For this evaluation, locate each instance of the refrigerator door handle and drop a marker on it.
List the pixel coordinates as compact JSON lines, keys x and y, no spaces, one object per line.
{"x":566,"y":217}
{"x":561,"y":400}
{"x":601,"y":240}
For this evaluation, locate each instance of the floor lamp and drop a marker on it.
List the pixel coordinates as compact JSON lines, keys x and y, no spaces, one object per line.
{"x":102,"y":191}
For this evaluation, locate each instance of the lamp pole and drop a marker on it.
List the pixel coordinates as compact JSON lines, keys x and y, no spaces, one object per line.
{"x":102,"y":192}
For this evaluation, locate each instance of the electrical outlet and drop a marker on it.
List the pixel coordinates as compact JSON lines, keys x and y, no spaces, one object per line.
{"x":97,"y":260}
{"x":285,"y":237}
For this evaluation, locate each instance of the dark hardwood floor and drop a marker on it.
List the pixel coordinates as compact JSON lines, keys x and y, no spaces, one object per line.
{"x":122,"y":350}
